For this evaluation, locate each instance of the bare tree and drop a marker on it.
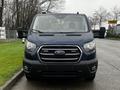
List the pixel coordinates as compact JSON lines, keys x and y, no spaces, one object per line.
{"x":93,"y":21}
{"x":17,"y":9}
{"x":102,"y":14}
{"x":53,"y":5}
{"x":116,"y":13}
{"x":21,"y":12}
{"x":1,"y":11}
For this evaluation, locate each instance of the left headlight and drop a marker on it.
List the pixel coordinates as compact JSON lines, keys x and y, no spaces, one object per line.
{"x":30,"y":46}
{"x":90,"y":46}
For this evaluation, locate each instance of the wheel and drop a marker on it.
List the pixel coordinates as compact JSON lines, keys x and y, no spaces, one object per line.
{"x":91,"y":77}
{"x":29,"y":77}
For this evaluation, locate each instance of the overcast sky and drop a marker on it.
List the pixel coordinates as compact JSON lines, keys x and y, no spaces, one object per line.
{"x":89,"y":6}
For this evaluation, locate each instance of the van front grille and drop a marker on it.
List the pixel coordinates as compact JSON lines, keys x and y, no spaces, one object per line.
{"x":59,"y":53}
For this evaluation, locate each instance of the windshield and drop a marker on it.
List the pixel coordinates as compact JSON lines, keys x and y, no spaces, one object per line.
{"x":60,"y":23}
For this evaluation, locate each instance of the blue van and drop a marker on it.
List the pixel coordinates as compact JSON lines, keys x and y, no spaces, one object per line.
{"x":60,"y":45}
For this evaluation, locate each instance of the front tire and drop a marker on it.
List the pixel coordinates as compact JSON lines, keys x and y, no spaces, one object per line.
{"x":29,"y":77}
{"x":91,"y":77}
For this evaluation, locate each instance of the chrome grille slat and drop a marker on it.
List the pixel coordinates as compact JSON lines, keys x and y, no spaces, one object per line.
{"x":46,"y":53}
{"x":65,"y":54}
{"x":72,"y":54}
{"x":58,"y":49}
{"x":54,"y":59}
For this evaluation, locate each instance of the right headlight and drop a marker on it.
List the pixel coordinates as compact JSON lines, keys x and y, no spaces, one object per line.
{"x":90,"y":46}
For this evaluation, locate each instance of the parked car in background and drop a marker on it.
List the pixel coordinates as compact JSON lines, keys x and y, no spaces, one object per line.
{"x":101,"y":33}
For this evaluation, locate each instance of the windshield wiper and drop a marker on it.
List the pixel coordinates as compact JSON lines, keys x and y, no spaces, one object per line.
{"x":35,"y":30}
{"x":42,"y":33}
{"x":53,"y":33}
{"x":71,"y":33}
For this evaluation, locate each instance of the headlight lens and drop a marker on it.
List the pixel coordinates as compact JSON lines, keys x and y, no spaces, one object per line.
{"x":30,"y":46}
{"x":90,"y":46}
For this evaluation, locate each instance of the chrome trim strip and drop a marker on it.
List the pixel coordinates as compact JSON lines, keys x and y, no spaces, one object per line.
{"x":68,"y":54}
{"x":57,"y":49}
{"x":62,"y":59}
{"x":47,"y":54}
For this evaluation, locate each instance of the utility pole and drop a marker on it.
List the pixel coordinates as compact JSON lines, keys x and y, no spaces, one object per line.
{"x":1,"y":11}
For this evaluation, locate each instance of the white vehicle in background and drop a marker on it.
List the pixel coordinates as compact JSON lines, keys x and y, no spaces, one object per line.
{"x":117,"y":31}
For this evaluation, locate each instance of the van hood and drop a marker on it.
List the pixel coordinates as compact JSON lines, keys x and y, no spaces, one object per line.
{"x":60,"y":39}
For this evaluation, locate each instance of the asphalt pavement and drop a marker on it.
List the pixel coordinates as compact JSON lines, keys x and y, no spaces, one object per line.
{"x":107,"y":78}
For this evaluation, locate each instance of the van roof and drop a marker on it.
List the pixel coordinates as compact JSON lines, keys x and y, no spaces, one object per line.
{"x":62,"y":14}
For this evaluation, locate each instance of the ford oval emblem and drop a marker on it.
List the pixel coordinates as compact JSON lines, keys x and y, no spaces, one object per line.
{"x":59,"y":52}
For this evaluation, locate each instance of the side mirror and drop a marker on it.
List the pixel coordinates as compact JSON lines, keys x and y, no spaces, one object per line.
{"x":25,"y":34}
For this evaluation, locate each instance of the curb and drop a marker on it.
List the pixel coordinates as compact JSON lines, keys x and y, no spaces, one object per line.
{"x":9,"y":84}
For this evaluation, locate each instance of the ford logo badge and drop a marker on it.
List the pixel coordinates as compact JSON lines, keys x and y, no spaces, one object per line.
{"x":59,"y":52}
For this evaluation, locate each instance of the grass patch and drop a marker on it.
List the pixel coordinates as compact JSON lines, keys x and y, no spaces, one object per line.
{"x":7,"y":41}
{"x":11,"y":56}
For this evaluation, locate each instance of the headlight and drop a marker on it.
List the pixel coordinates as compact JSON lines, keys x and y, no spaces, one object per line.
{"x":30,"y":46}
{"x":90,"y":46}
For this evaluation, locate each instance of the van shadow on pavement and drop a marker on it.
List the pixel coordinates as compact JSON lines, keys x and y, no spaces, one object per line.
{"x":61,"y":83}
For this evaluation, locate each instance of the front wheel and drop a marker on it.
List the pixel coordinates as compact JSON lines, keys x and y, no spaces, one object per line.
{"x":91,"y":77}
{"x":29,"y":77}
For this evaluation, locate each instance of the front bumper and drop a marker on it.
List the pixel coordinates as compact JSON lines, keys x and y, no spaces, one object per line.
{"x":83,"y":67}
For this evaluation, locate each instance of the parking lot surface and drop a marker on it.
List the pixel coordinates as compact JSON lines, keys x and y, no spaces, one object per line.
{"x":107,"y":78}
